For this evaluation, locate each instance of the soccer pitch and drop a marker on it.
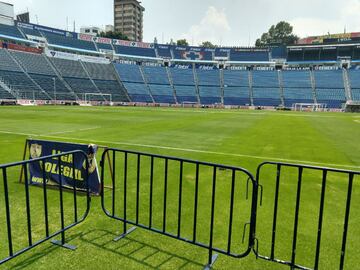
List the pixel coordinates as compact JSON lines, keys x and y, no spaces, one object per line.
{"x":238,"y":138}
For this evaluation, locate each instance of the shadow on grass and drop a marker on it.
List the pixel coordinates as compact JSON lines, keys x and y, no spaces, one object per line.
{"x":42,"y":253}
{"x":151,"y":256}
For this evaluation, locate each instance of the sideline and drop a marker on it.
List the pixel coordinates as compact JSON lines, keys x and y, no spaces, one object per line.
{"x":187,"y":150}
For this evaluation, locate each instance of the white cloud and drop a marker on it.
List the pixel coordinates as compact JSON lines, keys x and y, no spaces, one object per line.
{"x":212,"y":27}
{"x":347,"y":17}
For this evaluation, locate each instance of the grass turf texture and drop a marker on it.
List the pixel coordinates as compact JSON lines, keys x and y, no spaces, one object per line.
{"x":238,"y":138}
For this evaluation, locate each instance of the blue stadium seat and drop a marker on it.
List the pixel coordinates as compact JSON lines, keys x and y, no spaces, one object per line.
{"x":297,"y":87}
{"x":69,"y":42}
{"x":156,"y":75}
{"x":129,"y":73}
{"x":208,"y":77}
{"x":138,"y":92}
{"x":266,"y":97}
{"x":135,"y":51}
{"x":11,"y":31}
{"x":209,"y":95}
{"x":249,"y":56}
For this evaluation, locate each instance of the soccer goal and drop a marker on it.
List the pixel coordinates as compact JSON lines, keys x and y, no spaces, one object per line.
{"x":309,"y":107}
{"x":89,"y":97}
{"x":188,"y":104}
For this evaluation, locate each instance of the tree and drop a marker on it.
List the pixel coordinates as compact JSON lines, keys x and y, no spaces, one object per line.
{"x":207,"y":44}
{"x":182,"y":42}
{"x":280,"y":34}
{"x":113,"y":35}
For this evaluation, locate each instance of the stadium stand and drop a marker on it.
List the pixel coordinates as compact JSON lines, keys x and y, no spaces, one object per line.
{"x":69,"y":42}
{"x":134,"y":51}
{"x":31,"y":32}
{"x":74,"y":74}
{"x":11,"y":31}
{"x":209,"y":86}
{"x":297,"y":87}
{"x":104,"y":46}
{"x":184,"y":84}
{"x":266,"y":90}
{"x":355,"y":83}
{"x":330,"y":87}
{"x":103,"y":75}
{"x":5,"y":95}
{"x":244,"y":55}
{"x":12,"y":74}
{"x":158,"y":81}
{"x":164,"y":51}
{"x":236,"y":87}
{"x":134,"y":83}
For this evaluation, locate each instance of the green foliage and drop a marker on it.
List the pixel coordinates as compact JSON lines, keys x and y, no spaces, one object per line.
{"x":113,"y":35}
{"x":207,"y":44}
{"x":280,"y":34}
{"x":182,"y":42}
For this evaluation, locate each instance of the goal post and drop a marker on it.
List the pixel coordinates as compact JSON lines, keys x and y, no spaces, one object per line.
{"x":309,"y":107}
{"x":103,"y":97}
{"x":188,"y":104}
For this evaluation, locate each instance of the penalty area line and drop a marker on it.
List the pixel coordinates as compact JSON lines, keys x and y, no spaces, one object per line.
{"x":189,"y":150}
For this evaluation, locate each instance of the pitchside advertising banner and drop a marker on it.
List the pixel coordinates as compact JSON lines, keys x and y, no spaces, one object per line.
{"x":72,"y":167}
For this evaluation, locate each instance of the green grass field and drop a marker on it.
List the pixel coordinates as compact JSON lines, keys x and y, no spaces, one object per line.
{"x":238,"y":138}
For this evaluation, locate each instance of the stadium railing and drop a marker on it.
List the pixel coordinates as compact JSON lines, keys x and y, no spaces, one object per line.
{"x":13,"y":208}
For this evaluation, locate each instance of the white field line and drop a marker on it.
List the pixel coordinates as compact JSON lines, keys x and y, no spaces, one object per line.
{"x":263,"y":158}
{"x":70,"y":131}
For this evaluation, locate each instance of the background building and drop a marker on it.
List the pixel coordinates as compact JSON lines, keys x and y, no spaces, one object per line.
{"x":6,"y":13}
{"x":90,"y":30}
{"x":128,"y":18}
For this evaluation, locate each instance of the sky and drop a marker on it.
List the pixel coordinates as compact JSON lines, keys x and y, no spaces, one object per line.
{"x":223,"y":22}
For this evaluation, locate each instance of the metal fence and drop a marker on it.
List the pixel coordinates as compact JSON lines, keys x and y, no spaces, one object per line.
{"x":211,"y":178}
{"x":12,"y":207}
{"x":316,"y":176}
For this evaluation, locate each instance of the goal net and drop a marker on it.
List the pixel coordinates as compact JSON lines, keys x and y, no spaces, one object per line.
{"x":96,"y":97}
{"x":309,"y":107}
{"x":188,"y":104}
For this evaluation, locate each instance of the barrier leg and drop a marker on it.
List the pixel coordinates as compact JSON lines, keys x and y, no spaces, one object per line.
{"x":126,"y":233}
{"x":62,"y":243}
{"x":212,"y":260}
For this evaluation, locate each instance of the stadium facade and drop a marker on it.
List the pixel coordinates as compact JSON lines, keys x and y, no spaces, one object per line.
{"x":128,"y":18}
{"x":46,"y":65}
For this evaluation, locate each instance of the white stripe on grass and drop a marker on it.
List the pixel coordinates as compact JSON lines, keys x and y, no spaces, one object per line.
{"x":263,"y":158}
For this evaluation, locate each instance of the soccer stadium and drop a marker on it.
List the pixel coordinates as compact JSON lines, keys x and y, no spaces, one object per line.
{"x":124,"y":153}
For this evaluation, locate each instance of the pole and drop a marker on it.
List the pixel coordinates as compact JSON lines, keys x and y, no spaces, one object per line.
{"x":54,"y":89}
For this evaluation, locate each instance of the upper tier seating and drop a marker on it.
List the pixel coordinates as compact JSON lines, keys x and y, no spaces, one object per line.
{"x":356,"y":94}
{"x":127,"y":50}
{"x":33,"y":63}
{"x":256,"y":56}
{"x":164,"y":51}
{"x":31,"y":32}
{"x":59,"y":40}
{"x":10,"y":30}
{"x":104,"y":46}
